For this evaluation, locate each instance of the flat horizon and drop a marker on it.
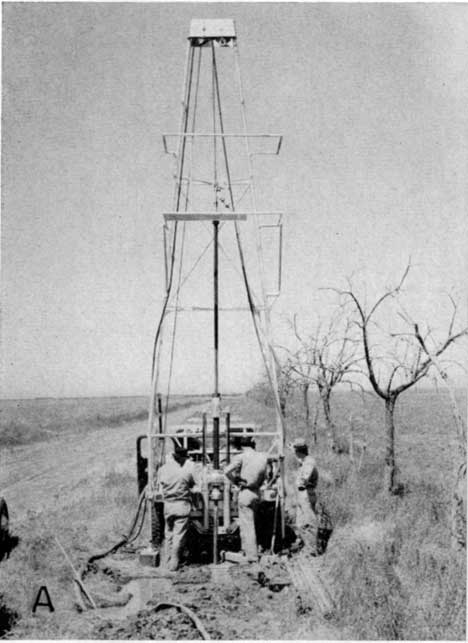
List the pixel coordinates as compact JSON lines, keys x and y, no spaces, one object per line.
{"x":418,"y":391}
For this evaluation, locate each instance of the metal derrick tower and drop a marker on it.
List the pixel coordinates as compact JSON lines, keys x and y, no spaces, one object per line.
{"x":214,"y":181}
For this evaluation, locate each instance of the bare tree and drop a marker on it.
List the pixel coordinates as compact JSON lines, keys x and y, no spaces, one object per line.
{"x":285,"y":377}
{"x":285,"y":374}
{"x":301,"y":368}
{"x":398,"y":369}
{"x":325,"y":359}
{"x":458,"y":513}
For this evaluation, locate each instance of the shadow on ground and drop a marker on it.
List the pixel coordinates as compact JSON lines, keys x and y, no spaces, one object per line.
{"x":8,"y":544}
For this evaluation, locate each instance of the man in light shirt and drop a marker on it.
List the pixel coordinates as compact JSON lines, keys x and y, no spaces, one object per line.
{"x":306,"y":483}
{"x":248,"y":471}
{"x":176,"y":479}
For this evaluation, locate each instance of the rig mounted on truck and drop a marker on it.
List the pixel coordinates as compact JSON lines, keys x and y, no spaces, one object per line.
{"x":215,"y":193}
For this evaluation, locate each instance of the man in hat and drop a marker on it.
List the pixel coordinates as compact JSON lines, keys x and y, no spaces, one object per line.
{"x":248,"y":471}
{"x":176,"y":479}
{"x":306,"y":483}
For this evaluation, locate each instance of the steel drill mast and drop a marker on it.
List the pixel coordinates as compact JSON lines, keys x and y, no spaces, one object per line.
{"x":208,"y":37}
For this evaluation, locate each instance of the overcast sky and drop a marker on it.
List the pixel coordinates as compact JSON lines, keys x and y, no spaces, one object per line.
{"x":371,"y":100}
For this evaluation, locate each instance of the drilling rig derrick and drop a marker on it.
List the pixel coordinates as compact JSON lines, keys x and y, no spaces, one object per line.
{"x":214,"y":187}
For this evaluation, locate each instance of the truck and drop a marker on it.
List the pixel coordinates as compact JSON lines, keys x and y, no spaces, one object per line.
{"x":214,"y":527}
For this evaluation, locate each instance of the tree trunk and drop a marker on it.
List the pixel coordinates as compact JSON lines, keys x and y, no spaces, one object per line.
{"x":325,"y":395}
{"x":389,"y":475}
{"x":351,"y":440}
{"x":305,"y":397}
{"x":458,"y":526}
{"x":310,"y":429}
{"x":314,"y":424}
{"x":283,"y":405}
{"x":458,"y":517}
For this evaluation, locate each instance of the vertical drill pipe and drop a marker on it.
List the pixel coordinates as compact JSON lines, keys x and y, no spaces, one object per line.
{"x":206,"y":520}
{"x":204,"y":439}
{"x":228,"y":438}
{"x":215,"y":532}
{"x":160,"y":417}
{"x":226,"y":504}
{"x":216,"y":342}
{"x":216,"y":307}
{"x":154,"y":518}
{"x":216,"y":442}
{"x":215,"y":281}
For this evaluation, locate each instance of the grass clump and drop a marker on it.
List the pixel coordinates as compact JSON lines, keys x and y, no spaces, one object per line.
{"x":369,"y":593}
{"x":14,"y":433}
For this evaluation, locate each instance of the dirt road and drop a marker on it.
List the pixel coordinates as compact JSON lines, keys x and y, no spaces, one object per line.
{"x":44,"y":474}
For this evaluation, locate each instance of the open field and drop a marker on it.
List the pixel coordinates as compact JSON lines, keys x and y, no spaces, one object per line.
{"x":25,"y":421}
{"x":388,"y":564}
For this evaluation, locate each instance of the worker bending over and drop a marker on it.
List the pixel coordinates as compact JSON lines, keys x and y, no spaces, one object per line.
{"x":176,"y":479}
{"x":248,"y":471}
{"x":306,"y":483}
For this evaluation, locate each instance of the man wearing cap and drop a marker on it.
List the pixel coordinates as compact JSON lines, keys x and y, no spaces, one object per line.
{"x":176,"y":479}
{"x":306,"y":483}
{"x":248,"y":471}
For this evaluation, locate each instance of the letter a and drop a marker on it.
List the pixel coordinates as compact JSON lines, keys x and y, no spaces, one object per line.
{"x":48,"y":603}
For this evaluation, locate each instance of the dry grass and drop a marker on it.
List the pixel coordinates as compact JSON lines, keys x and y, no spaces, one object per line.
{"x":391,"y":567}
{"x":25,"y":421}
{"x":96,"y":520}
